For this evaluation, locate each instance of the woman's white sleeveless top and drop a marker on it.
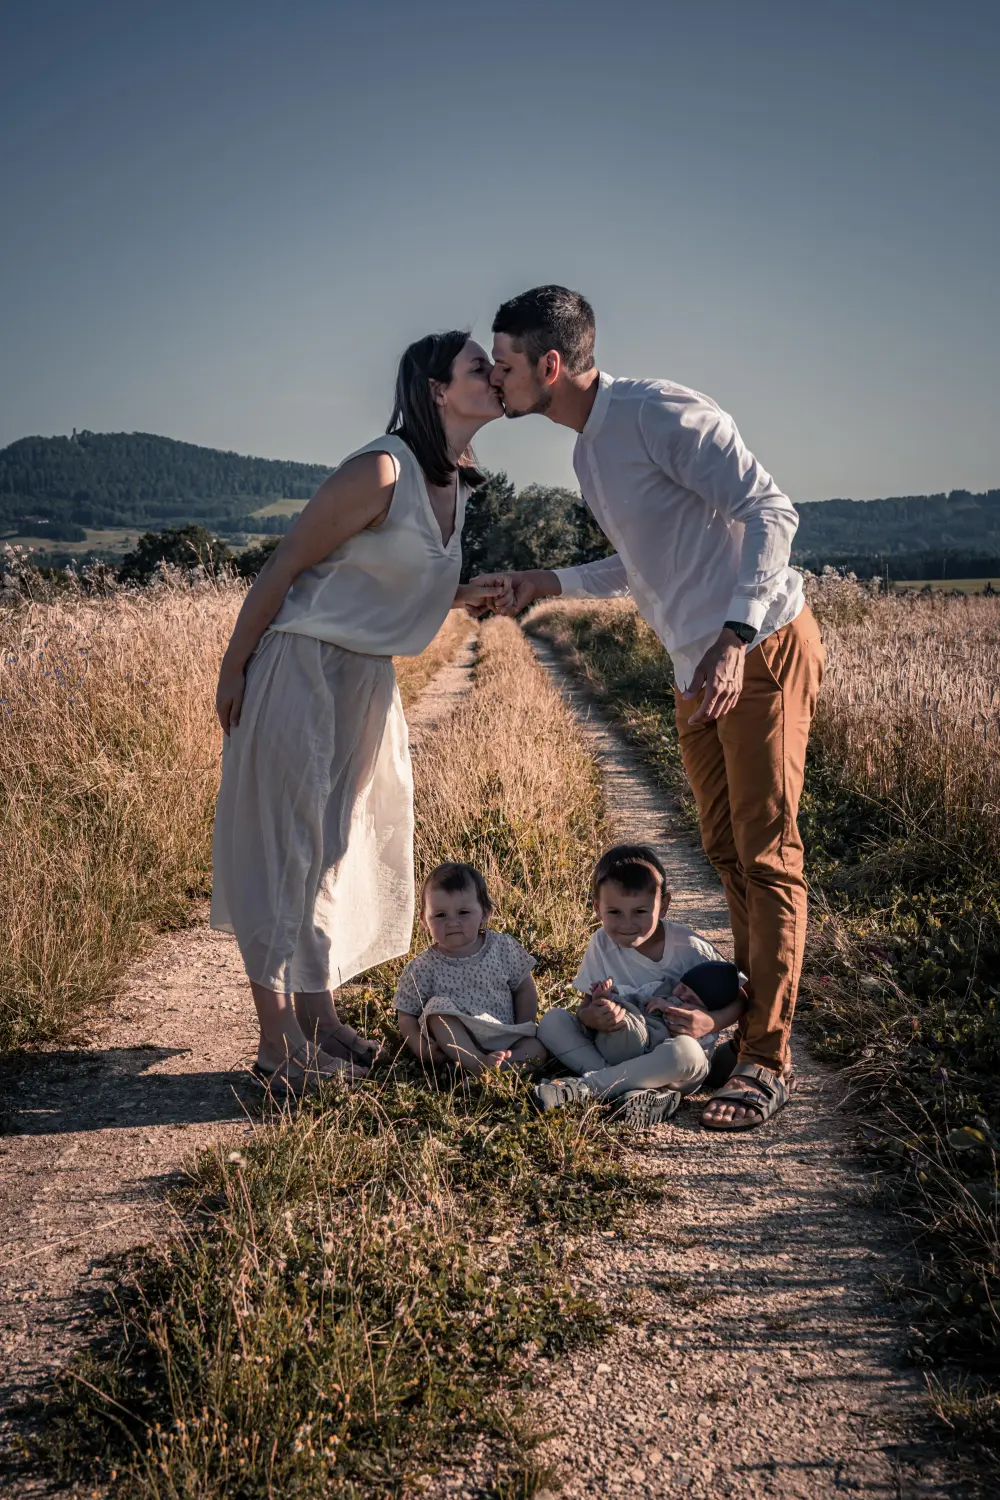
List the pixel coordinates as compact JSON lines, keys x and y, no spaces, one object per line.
{"x":386,"y":591}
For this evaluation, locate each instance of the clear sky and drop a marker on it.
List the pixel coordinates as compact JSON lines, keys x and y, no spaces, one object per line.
{"x":223,"y":221}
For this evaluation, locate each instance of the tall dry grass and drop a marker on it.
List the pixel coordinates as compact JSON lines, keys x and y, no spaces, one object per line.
{"x":109,"y":766}
{"x":507,"y":785}
{"x":910,"y":708}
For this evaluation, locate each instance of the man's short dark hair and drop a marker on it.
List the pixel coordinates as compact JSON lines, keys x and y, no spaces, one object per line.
{"x":550,"y":317}
{"x":635,"y":867}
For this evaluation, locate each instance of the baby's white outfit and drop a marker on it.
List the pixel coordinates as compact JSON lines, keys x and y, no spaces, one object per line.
{"x":477,"y":990}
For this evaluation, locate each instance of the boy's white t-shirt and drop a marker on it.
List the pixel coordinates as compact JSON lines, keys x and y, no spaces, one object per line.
{"x":637,"y":976}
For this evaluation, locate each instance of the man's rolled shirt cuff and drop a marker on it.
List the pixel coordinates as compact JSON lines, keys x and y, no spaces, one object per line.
{"x":571,"y":583}
{"x":748,"y":611}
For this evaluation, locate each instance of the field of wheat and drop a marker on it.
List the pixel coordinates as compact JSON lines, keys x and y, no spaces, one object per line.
{"x":109,"y":768}
{"x":910,"y":708}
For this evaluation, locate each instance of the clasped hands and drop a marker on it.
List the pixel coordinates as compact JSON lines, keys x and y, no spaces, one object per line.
{"x":681,"y":1010}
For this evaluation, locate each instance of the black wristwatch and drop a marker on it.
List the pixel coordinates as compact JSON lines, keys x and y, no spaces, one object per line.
{"x":746,"y":633}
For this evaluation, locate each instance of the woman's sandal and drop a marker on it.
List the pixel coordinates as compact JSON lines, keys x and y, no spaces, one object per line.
{"x":304,"y":1071}
{"x":771,"y":1093}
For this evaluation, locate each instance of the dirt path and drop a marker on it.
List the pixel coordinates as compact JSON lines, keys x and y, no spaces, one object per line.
{"x":91,"y":1135}
{"x":768,"y":1360}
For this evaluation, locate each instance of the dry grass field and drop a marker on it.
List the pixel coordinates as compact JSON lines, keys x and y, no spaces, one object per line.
{"x":109,"y":767}
{"x":910,"y":709}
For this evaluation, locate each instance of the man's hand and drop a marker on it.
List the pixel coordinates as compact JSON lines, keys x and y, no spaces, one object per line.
{"x":480,"y":596}
{"x":524,"y":588}
{"x":719,"y":675}
{"x":684,"y":1013}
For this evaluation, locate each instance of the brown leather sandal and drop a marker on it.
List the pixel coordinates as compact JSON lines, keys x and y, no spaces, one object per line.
{"x":772,"y":1092}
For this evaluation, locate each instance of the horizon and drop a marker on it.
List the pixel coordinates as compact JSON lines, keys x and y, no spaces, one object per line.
{"x":223,"y":226}
{"x":322,"y":463}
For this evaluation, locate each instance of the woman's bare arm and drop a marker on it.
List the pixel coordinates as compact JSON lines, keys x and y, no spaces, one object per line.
{"x":358,"y":495}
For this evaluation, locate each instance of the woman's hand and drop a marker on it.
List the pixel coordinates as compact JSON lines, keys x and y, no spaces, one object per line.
{"x":229,"y":695}
{"x":476,"y":597}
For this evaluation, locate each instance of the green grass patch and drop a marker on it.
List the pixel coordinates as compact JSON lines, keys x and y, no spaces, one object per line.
{"x":360,"y":1290}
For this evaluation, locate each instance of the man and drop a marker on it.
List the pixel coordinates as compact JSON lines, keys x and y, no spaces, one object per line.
{"x":703,"y":536}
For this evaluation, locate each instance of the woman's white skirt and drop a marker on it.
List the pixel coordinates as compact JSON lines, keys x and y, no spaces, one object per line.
{"x":312,"y":856}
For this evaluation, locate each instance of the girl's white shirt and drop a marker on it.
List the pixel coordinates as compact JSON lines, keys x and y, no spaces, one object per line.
{"x":388,"y":590}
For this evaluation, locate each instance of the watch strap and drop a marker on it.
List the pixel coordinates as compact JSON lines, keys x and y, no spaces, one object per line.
{"x":745,"y":632}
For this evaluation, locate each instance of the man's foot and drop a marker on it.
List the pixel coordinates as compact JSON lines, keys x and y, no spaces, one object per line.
{"x":752,"y":1095}
{"x":559,"y":1093}
{"x":641,"y":1109}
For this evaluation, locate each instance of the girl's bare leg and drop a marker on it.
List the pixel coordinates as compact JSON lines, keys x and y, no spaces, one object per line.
{"x":528,"y":1050}
{"x":458,"y":1046}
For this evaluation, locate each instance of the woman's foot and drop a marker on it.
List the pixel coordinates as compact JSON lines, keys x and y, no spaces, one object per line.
{"x":316,"y":1013}
{"x":341,"y":1040}
{"x":304,"y":1070}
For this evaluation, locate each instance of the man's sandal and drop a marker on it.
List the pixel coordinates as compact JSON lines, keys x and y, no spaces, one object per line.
{"x":771,"y":1093}
{"x":304,"y":1071}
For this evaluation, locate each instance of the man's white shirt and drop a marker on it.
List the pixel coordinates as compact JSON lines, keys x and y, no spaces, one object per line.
{"x":702,"y":532}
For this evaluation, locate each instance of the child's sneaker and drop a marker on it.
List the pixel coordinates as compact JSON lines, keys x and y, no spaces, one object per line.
{"x":559,"y":1092}
{"x":641,"y":1109}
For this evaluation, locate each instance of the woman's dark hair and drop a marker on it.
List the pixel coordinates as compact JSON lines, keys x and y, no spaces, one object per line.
{"x":415,"y":416}
{"x":635,"y":867}
{"x":550,"y":317}
{"x":456,"y":877}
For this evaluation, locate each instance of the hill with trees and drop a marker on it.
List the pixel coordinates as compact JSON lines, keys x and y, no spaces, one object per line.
{"x":52,"y":488}
{"x":136,"y":479}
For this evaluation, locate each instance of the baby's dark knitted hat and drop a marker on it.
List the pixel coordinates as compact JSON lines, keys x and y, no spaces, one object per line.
{"x":716,"y":984}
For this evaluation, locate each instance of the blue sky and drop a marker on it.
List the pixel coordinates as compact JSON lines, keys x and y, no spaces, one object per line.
{"x":224,"y":221}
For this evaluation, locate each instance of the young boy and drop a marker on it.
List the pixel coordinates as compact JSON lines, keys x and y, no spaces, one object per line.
{"x":642,"y":1038}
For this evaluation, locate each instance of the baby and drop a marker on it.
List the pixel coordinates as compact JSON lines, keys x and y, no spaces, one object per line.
{"x":469,"y":998}
{"x":657,"y":997}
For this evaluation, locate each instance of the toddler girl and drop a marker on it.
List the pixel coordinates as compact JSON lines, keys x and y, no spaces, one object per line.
{"x":469,"y":998}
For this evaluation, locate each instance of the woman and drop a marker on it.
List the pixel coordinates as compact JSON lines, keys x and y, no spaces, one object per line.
{"x":313,"y":846}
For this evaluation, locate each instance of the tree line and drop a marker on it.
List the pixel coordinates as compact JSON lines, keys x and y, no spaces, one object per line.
{"x":52,"y":488}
